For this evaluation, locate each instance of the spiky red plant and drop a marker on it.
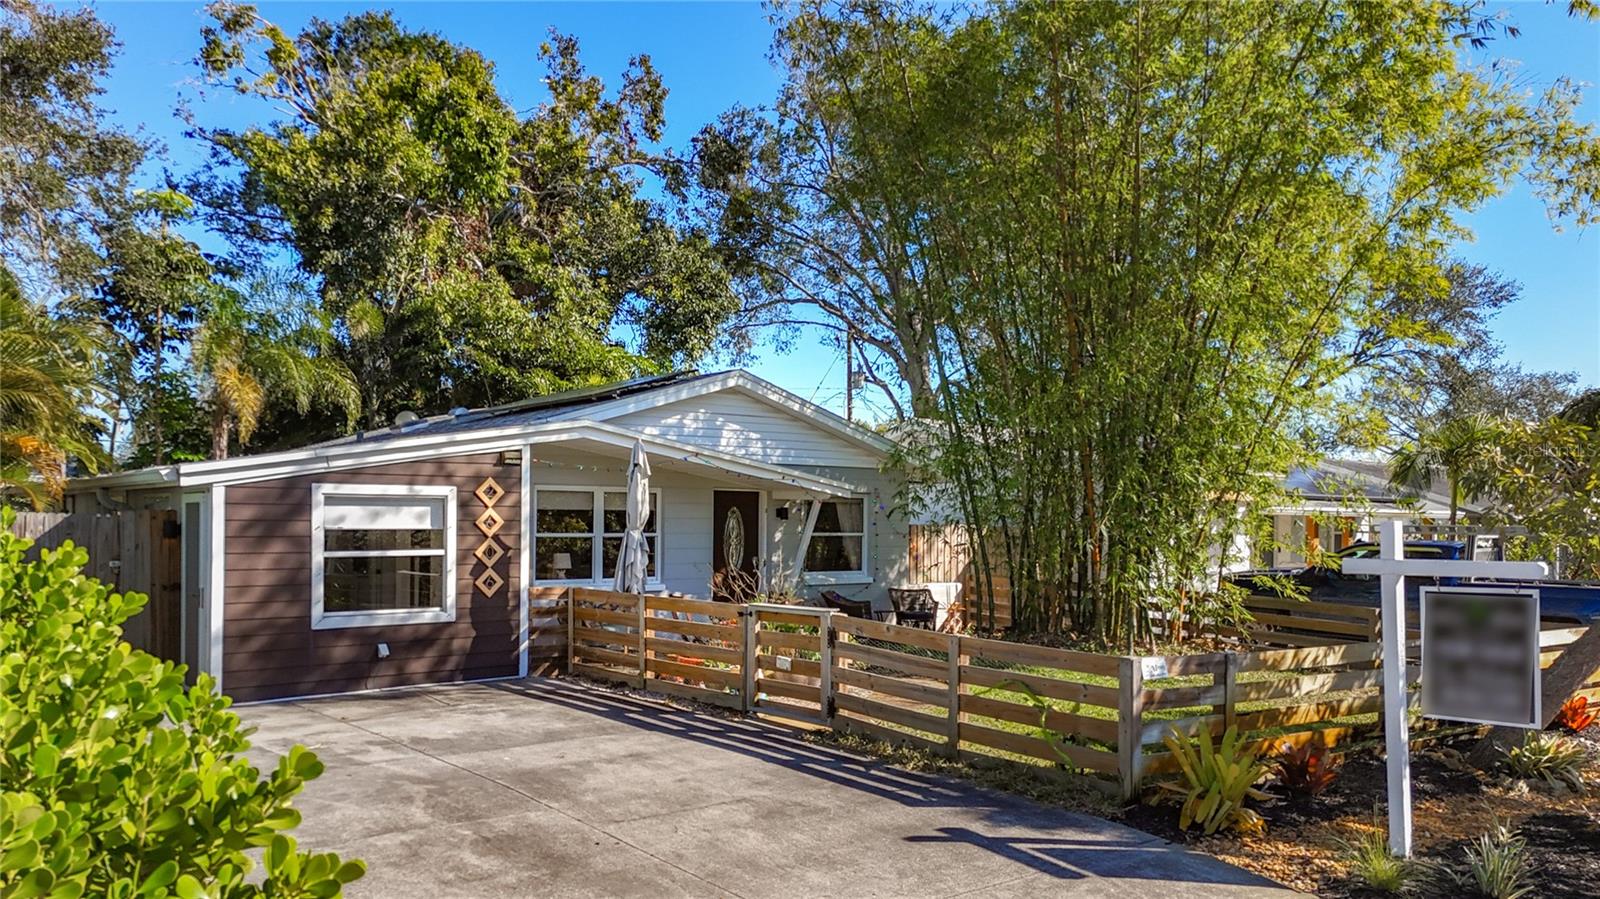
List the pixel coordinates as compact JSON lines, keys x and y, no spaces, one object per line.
{"x":1575,"y":714}
{"x":1307,"y":770}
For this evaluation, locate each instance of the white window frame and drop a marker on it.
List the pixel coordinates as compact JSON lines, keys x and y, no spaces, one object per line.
{"x":325,"y":620}
{"x":861,"y":576}
{"x":598,"y":535}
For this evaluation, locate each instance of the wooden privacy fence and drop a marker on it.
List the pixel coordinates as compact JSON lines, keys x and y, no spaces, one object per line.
{"x":135,"y":550}
{"x":964,"y":696}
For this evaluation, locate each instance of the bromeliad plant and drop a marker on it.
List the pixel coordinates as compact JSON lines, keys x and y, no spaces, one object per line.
{"x":1576,"y":715}
{"x":1219,"y":780}
{"x":1556,"y":760}
{"x":1308,"y":769}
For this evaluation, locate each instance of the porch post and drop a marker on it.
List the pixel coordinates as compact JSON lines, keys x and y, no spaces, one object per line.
{"x":805,"y":540}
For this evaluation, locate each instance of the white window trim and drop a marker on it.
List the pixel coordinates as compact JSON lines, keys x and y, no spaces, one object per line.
{"x":324,"y":620}
{"x":862,"y":576}
{"x":598,"y":535}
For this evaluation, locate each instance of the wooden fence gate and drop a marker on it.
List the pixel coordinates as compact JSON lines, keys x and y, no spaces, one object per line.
{"x":790,"y":662}
{"x":134,"y":550}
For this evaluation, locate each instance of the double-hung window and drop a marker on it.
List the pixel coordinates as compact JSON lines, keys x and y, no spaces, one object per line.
{"x":578,"y":533}
{"x":382,"y":554}
{"x":838,"y":548}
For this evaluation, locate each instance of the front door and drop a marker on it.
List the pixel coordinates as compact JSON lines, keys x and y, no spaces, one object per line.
{"x":736,"y":544}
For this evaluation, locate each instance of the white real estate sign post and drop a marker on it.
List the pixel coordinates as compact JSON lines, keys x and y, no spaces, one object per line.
{"x":1392,"y":567}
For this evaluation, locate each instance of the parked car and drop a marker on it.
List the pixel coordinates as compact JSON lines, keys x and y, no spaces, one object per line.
{"x":1571,"y":602}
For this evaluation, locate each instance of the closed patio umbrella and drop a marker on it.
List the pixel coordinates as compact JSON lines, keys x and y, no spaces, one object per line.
{"x":633,"y":559}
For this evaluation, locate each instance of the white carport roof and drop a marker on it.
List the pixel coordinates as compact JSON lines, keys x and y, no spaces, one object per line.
{"x":584,"y":436}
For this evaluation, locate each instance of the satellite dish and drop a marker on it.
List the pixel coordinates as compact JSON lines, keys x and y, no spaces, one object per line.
{"x":404,"y":418}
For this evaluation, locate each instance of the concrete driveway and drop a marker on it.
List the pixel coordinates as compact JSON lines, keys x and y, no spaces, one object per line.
{"x":553,"y":788}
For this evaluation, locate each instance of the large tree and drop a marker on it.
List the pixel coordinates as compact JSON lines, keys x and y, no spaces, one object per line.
{"x":64,"y":172}
{"x":1445,"y":366}
{"x":64,"y":186}
{"x":1123,"y":253}
{"x":468,"y":257}
{"x":154,"y":286}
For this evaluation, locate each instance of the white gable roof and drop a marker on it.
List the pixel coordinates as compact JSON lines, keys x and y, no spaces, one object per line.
{"x":741,"y":415}
{"x":731,"y":420}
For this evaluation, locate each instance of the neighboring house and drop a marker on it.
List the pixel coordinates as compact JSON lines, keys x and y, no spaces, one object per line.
{"x":422,"y":541}
{"x":1339,"y":502}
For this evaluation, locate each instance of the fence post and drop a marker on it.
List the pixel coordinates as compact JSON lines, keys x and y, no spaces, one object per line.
{"x":748,"y":634}
{"x":1230,"y":677}
{"x":644,"y":664}
{"x":825,"y":688}
{"x":952,"y":735}
{"x":572,"y":628}
{"x":1130,"y":723}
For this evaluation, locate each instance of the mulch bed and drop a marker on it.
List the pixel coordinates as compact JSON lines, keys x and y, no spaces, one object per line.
{"x":1305,"y":839}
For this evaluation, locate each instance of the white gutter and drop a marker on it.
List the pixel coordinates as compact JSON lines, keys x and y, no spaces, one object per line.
{"x":272,"y":466}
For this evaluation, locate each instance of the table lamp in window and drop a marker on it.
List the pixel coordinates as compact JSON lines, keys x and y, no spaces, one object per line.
{"x":561,"y":563}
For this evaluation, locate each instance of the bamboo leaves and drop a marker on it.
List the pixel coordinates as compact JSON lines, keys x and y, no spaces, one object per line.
{"x":1140,"y":245}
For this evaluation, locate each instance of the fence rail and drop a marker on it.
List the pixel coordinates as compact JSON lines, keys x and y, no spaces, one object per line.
{"x":1103,"y":716}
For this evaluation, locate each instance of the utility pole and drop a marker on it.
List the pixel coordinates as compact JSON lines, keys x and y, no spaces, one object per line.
{"x":849,"y":375}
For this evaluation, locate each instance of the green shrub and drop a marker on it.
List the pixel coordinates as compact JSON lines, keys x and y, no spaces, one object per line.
{"x":1557,"y":760}
{"x":117,"y":781}
{"x":1497,"y":865}
{"x":1373,"y":865}
{"x":1217,"y":781}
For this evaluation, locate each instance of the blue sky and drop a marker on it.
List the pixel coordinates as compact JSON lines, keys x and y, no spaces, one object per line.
{"x":714,"y":55}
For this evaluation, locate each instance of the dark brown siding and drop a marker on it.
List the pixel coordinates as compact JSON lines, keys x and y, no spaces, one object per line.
{"x":269,"y":648}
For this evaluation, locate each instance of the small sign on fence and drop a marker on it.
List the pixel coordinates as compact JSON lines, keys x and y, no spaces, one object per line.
{"x":1480,"y":656}
{"x":1153,"y":667}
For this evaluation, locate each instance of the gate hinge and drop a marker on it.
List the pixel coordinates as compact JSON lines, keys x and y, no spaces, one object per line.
{"x":833,"y":637}
{"x":831,"y":709}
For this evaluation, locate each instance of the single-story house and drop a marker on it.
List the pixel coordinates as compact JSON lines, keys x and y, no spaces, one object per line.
{"x":407,"y":554}
{"x":1341,"y":501}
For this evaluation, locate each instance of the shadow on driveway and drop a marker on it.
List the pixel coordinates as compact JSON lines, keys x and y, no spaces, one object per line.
{"x":1051,"y":843}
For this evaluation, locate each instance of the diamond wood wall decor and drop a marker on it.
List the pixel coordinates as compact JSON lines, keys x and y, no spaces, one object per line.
{"x":490,"y":522}
{"x":489,"y":583}
{"x":490,"y":551}
{"x":489,"y":492}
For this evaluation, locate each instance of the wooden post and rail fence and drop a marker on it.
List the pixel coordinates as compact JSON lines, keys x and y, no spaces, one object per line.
{"x":978,"y":698}
{"x":1303,"y":671}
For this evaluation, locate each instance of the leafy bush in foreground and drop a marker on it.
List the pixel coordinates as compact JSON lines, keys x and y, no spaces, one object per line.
{"x":117,"y":781}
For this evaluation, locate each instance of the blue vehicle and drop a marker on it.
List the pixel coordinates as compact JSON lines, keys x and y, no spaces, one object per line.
{"x":1561,"y":602}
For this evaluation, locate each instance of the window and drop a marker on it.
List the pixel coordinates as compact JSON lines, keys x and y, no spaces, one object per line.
{"x":579,"y":533}
{"x":838,"y":541}
{"x":382,"y":554}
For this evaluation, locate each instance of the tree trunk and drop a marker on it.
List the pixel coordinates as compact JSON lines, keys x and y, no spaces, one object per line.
{"x":221,"y":429}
